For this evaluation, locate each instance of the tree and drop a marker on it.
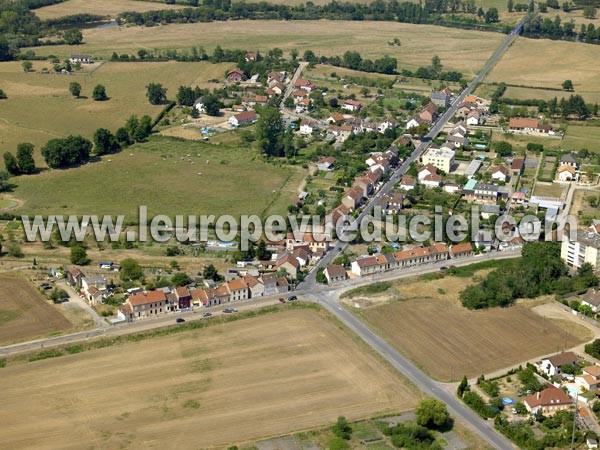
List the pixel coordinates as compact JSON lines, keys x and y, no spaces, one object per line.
{"x":436,"y":64}
{"x":503,"y":148}
{"x":25,"y":158}
{"x":262,"y":254}
{"x":463,"y":386}
{"x":212,"y":105}
{"x":143,"y":129}
{"x":342,"y":429}
{"x":11,"y":164}
{"x":105,"y":142}
{"x":156,"y":93}
{"x":57,"y":294}
{"x":66,"y":152}
{"x":589,"y":12}
{"x":75,"y":89}
{"x":181,"y":279}
{"x":3,"y":95}
{"x":269,"y":132}
{"x":131,"y":270}
{"x":432,"y":413}
{"x":99,"y":93}
{"x":210,"y":273}
{"x":491,"y":16}
{"x":4,"y":184}
{"x":567,"y":85}
{"x":79,"y":256}
{"x":14,"y":250}
{"x":321,"y":278}
{"x":122,"y":137}
{"x":510,"y":5}
{"x":27,"y":66}
{"x":73,"y":37}
{"x":185,"y":96}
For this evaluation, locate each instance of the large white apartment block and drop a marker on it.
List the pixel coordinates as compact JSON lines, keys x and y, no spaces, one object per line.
{"x":584,"y":249}
{"x":442,"y":158}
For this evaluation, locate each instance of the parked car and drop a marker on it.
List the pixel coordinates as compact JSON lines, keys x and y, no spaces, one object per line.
{"x":233,"y":309}
{"x":291,"y":298}
{"x":281,"y":300}
{"x":227,"y":310}
{"x":206,"y":314}
{"x":180,"y":320}
{"x":444,"y":268}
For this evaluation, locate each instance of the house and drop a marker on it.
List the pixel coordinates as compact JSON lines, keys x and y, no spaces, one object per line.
{"x":148,"y":304}
{"x":334,"y":273}
{"x":391,"y":203}
{"x":523,"y":125}
{"x":566,"y":173}
{"x":184,"y":297}
{"x":351,"y":105}
{"x":591,"y":443}
{"x":456,"y":141}
{"x":518,"y":197}
{"x":461,"y":250}
{"x":473,"y":117}
{"x":548,"y":401}
{"x":387,"y":124}
{"x":250,"y":56}
{"x":552,"y":365}
{"x":289,"y":263}
{"x":93,"y":295}
{"x":275,"y":77}
{"x":307,"y":126}
{"x":304,"y":84}
{"x":488,"y":211}
{"x":336,"y":118}
{"x":299,"y":96}
{"x":353,"y":198}
{"x":427,"y":170}
{"x":238,"y":108}
{"x":235,"y":76}
{"x":459,"y":129}
{"x":592,"y":299}
{"x":366,"y":265}
{"x":589,"y":378}
{"x":484,"y":192}
{"x":238,"y":290}
{"x":243,"y":118}
{"x":407,"y":183}
{"x":81,"y":59}
{"x":517,"y":166}
{"x":315,"y":242}
{"x":277,"y":88}
{"x":365,"y":184}
{"x":464,"y":108}
{"x":583,"y":248}
{"x":432,"y":180}
{"x":429,"y":113}
{"x":255,"y":287}
{"x":74,"y":277}
{"x":568,"y":159}
{"x":326,"y":163}
{"x":91,"y":286}
{"x":441,"y":99}
{"x":414,"y":122}
{"x":499,"y":173}
{"x":442,"y":158}
{"x":451,"y":188}
{"x":302,"y":255}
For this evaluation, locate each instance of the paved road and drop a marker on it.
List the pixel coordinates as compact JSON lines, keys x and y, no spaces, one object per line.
{"x":290,"y":87}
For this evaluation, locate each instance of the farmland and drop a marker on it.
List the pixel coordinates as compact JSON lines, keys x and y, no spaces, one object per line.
{"x":108,"y":8}
{"x":285,"y":371}
{"x":39,"y":106}
{"x":578,"y":137}
{"x":448,"y":341}
{"x":462,"y":50}
{"x":170,"y":177}
{"x":24,"y":313}
{"x":573,"y":64}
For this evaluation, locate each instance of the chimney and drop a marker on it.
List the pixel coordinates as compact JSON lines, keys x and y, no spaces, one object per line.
{"x":538,"y":395}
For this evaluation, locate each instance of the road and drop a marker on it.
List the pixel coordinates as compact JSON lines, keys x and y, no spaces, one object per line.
{"x":290,"y":87}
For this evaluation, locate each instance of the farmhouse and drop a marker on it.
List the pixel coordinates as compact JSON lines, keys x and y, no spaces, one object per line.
{"x":334,"y":273}
{"x":521,"y":125}
{"x":351,"y":105}
{"x":243,"y":118}
{"x":548,"y":401}
{"x":552,"y":365}
{"x":235,"y":76}
{"x":81,"y":59}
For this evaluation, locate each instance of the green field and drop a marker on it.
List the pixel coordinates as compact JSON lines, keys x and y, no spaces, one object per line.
{"x":578,"y":137}
{"x":170,"y":177}
{"x":39,"y":106}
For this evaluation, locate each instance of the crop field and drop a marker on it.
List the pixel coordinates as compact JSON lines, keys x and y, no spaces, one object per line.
{"x":24,"y":313}
{"x":427,"y":323}
{"x":108,"y":8}
{"x":463,"y":50}
{"x":39,"y":106}
{"x":228,"y":383}
{"x":573,"y":64}
{"x":170,"y":177}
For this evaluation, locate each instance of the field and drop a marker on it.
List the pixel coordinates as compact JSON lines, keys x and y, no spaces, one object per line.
{"x":462,"y":50}
{"x":448,"y":341}
{"x":169,"y":177}
{"x":573,"y":64}
{"x":282,"y":372}
{"x":578,"y":137}
{"x":554,"y":190}
{"x":39,"y":106}
{"x":108,"y":8}
{"x":24,"y":313}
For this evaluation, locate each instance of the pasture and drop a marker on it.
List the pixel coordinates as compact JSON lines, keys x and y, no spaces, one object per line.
{"x":228,"y":383}
{"x":427,"y":323}
{"x":39,"y":106}
{"x":168,"y":176}
{"x":526,"y":64}
{"x":578,"y":137}
{"x":110,"y":8}
{"x":25,"y":314}
{"x":463,"y":50}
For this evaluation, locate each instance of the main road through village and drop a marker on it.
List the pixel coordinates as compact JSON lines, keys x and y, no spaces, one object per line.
{"x":328,"y":296}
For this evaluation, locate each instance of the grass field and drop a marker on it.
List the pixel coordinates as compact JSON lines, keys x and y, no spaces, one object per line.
{"x":281,"y":372}
{"x":170,"y":177}
{"x":24,"y":313}
{"x":573,"y":64}
{"x":548,"y":190}
{"x":39,"y":106}
{"x":108,"y":8}
{"x":430,"y":326}
{"x":578,"y":137}
{"x":462,"y":50}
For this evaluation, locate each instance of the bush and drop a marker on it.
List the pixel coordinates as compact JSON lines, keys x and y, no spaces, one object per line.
{"x":477,"y":404}
{"x":45,"y":354}
{"x":337,"y":443}
{"x":342,"y":429}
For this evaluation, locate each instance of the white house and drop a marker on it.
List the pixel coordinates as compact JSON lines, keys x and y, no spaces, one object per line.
{"x":499,"y":173}
{"x":243,"y":118}
{"x":326,"y":163}
{"x":414,"y":122}
{"x":351,"y":105}
{"x":566,"y":173}
{"x":308,"y":126}
{"x":552,"y":365}
{"x":592,"y":299}
{"x":82,"y":59}
{"x":474,"y":117}
{"x":425,"y":171}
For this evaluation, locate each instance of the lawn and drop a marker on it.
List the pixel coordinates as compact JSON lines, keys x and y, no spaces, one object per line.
{"x":578,"y":137}
{"x":106,"y":8}
{"x":554,"y":190}
{"x":39,"y":106}
{"x":228,"y":383}
{"x":527,"y":61}
{"x":25,"y":314}
{"x":463,"y":50}
{"x":168,"y":176}
{"x":429,"y":325}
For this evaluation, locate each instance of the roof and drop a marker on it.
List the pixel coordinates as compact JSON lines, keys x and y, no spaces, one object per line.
{"x":329,"y":160}
{"x":567,"y":168}
{"x":367,"y":261}
{"x":182,"y":291}
{"x":465,"y":247}
{"x":246,"y":115}
{"x":237,"y":285}
{"x":523,"y":122}
{"x":418,"y":252}
{"x":149,"y":297}
{"x":551,"y":396}
{"x":592,"y":297}
{"x":500,"y":169}
{"x":432,"y":177}
{"x":336,"y":270}
{"x":562,"y":359}
{"x":408,"y":181}
{"x":517,"y":163}
{"x":351,"y":102}
{"x":238,"y":71}
{"x":568,"y":158}
{"x":592,"y":370}
{"x":470,"y":185}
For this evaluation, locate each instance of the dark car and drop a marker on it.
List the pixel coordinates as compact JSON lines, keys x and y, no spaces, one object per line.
{"x":206,"y":314}
{"x":179,"y":320}
{"x":291,"y":298}
{"x":443,"y":268}
{"x":281,"y":300}
{"x":227,"y":311}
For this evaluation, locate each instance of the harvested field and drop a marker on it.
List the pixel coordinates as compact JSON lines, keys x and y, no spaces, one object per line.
{"x":24,"y":313}
{"x":463,"y":50}
{"x":278,"y":373}
{"x":110,"y":8}
{"x":430,"y":326}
